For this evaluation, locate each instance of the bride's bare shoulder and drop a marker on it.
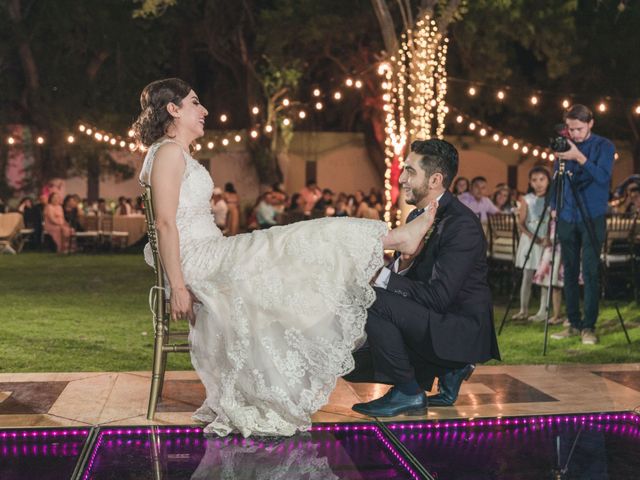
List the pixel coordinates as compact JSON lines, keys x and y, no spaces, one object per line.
{"x":169,"y":160}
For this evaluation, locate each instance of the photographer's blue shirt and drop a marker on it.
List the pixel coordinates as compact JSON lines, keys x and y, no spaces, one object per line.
{"x":591,"y":180}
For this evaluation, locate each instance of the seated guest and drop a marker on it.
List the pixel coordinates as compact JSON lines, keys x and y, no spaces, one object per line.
{"x":55,"y":224}
{"x":476,"y":199}
{"x":375,"y":202}
{"x":296,"y":204}
{"x":233,"y":202}
{"x":32,"y":218}
{"x":101,"y":207}
{"x":341,"y":209}
{"x":71,"y":213}
{"x":123,"y":208}
{"x":325,"y":201}
{"x":311,"y":194}
{"x":219,"y":208}
{"x":460,"y":186}
{"x":502,"y":198}
{"x":265,"y":213}
{"x":633,"y":200}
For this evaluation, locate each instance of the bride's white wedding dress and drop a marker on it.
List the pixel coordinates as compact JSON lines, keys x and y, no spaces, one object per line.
{"x":281,"y":309}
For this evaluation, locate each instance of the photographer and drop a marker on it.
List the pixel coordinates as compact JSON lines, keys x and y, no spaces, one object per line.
{"x":589,"y":161}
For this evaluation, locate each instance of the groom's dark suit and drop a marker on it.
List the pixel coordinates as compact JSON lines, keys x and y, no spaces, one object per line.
{"x":439,"y":315}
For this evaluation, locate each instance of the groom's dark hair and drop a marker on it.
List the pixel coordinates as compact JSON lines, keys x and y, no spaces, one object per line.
{"x":438,"y":156}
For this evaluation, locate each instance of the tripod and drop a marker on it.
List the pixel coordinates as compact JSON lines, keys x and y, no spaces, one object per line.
{"x":557,"y":193}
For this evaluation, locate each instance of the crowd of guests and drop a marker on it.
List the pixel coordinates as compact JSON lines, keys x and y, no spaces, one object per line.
{"x":275,"y":207}
{"x":60,"y":217}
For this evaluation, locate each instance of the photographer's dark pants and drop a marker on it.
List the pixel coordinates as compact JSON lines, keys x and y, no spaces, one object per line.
{"x":575,"y":242}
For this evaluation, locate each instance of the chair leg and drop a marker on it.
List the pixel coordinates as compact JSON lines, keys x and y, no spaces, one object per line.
{"x":157,"y":375}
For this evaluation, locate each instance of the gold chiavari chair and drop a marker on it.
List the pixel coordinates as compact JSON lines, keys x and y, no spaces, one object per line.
{"x":164,"y":340}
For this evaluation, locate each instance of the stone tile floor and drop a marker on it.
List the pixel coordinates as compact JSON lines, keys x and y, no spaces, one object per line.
{"x":94,"y":398}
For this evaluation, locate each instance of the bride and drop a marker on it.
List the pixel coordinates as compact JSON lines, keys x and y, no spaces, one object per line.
{"x":275,"y":314}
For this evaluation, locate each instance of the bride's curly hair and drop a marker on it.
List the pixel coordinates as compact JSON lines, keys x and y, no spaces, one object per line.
{"x":154,"y":120}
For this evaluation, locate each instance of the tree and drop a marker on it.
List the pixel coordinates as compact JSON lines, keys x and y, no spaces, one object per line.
{"x":66,"y":62}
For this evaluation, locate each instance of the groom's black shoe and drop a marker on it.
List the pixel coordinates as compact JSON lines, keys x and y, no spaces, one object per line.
{"x":449,"y":386}
{"x":394,"y":403}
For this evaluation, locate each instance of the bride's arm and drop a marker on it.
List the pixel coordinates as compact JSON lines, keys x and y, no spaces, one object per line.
{"x":166,"y":178}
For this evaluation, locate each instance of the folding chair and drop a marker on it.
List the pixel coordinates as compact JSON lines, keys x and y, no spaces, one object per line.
{"x":111,"y":237}
{"x":164,"y":340}
{"x":10,"y":226}
{"x":88,"y":240}
{"x":618,"y":249}
{"x":503,"y":242}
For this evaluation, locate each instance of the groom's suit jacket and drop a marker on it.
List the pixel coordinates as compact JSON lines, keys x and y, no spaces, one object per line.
{"x":449,"y":278}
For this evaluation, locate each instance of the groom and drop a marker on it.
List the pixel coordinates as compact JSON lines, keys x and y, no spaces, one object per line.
{"x":433,"y":315}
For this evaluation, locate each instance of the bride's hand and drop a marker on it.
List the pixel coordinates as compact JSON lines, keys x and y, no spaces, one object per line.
{"x":182,"y":304}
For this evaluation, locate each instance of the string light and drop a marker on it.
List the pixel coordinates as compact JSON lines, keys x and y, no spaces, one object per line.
{"x":286,"y":102}
{"x":483,"y":132}
{"x":254,"y":134}
{"x":88,"y":131}
{"x":472,"y":126}
{"x":500,"y":95}
{"x":349,"y":82}
{"x":255,"y":110}
{"x":98,"y":136}
{"x":318,"y":105}
{"x":123,"y":143}
{"x":337,"y":95}
{"x":71,"y":139}
{"x":210,"y":145}
{"x":198,"y":147}
{"x":11,"y":141}
{"x":565,"y":103}
{"x":286,"y":122}
{"x":223,"y":118}
{"x":302,"y":114}
{"x":472,"y":91}
{"x":237,"y":138}
{"x":225,"y":142}
{"x":81,"y":127}
{"x":131,"y":133}
{"x":637,"y":110}
{"x":602,"y":107}
{"x":358,"y":84}
{"x":268,"y":129}
{"x":534,"y":100}
{"x":459,"y":119}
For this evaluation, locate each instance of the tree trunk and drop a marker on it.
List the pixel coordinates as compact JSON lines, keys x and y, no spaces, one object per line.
{"x":387,"y":28}
{"x":93,"y":176}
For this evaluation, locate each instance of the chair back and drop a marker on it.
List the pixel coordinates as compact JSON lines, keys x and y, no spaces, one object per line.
{"x":620,"y":233}
{"x":158,"y":297}
{"x":106,"y":223}
{"x":91,"y":223}
{"x":10,"y":225}
{"x":503,"y":236}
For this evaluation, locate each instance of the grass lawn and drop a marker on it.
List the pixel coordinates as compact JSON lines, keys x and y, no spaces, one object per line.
{"x":90,"y":313}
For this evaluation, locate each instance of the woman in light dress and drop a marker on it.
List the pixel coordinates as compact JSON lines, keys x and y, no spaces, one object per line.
{"x":55,"y":224}
{"x":275,"y":314}
{"x":534,"y":229}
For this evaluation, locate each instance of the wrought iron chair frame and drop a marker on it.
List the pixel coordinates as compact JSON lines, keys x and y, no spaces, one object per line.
{"x":164,"y":340}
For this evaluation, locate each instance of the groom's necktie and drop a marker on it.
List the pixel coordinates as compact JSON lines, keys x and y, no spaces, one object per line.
{"x":414,"y":213}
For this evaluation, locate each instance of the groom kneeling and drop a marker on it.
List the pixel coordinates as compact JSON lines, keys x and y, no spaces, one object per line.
{"x":433,"y":315}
